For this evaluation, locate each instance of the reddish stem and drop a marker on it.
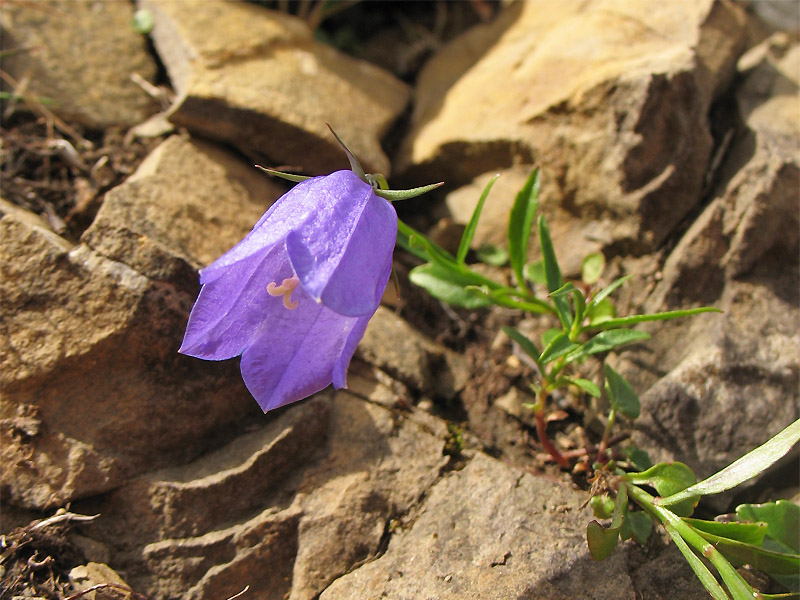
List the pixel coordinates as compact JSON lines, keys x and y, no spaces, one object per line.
{"x":541,"y":431}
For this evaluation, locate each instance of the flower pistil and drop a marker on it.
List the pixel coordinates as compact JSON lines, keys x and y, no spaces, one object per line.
{"x":285,"y":289}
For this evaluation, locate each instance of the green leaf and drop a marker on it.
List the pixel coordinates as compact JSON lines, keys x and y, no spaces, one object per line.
{"x":587,"y":386}
{"x":741,"y":553}
{"x":526,"y":344}
{"x":601,"y":311}
{"x":747,"y":467}
{"x":668,"y":479}
{"x":550,"y":334}
{"x":749,"y":533}
{"x":552,"y":274}
{"x":422,"y":247}
{"x":492,"y":255}
{"x":601,"y":541}
{"x":663,"y":316}
{"x":621,"y":394}
{"x":520,"y":223}
{"x":469,"y":232}
{"x":782,"y":519}
{"x":639,"y":526}
{"x":534,"y":272}
{"x":592,"y":267}
{"x":558,"y":346}
{"x":607,"y":291}
{"x":564,"y":290}
{"x":607,"y":340}
{"x":638,"y":457}
{"x":451,"y":286}
{"x":602,"y":506}
{"x":142,"y":21}
{"x":702,"y":572}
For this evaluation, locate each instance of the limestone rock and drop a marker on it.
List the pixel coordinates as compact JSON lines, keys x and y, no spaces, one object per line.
{"x":609,"y":97}
{"x":310,"y":491}
{"x":90,"y":353}
{"x":258,"y":80}
{"x":80,"y":55}
{"x":190,"y":199}
{"x":489,"y":532}
{"x":93,"y":330}
{"x":394,"y":346}
{"x":724,"y":384}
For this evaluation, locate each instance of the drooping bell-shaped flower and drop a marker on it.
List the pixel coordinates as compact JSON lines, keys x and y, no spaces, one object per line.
{"x":295,"y":295}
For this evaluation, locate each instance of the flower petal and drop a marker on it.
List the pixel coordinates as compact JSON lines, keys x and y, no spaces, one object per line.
{"x":230,"y":311}
{"x":297,"y":352}
{"x":288,"y":212}
{"x":342,"y":252}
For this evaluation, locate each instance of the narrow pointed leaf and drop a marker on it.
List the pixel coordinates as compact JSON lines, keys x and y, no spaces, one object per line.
{"x":748,"y":533}
{"x":469,"y":232}
{"x":702,"y":572}
{"x":526,"y":344}
{"x":621,"y":394}
{"x":552,"y":274}
{"x":608,"y":340}
{"x":587,"y":386}
{"x":607,"y":291}
{"x":412,"y":239}
{"x":558,"y":346}
{"x":747,"y":467}
{"x":662,"y":316}
{"x":520,"y":223}
{"x":451,"y":286}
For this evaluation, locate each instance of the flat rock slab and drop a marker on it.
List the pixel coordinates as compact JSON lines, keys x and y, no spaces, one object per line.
{"x":610,"y":97}
{"x":80,"y":56}
{"x":258,"y":80}
{"x":492,"y":532}
{"x":94,"y":329}
{"x":191,"y":199}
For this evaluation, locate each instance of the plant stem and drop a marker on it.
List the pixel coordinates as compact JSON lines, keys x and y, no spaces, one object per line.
{"x":541,"y":431}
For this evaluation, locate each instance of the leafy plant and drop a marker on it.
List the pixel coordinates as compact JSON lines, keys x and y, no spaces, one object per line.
{"x":764,"y":536}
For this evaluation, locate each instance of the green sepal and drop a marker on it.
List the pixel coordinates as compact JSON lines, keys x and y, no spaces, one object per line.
{"x":394,"y":195}
{"x":282,"y":175}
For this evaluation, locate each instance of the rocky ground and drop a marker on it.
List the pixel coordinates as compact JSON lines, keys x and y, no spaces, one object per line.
{"x":668,"y":136}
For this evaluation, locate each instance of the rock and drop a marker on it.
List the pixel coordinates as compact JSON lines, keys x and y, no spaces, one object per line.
{"x":394,"y":346}
{"x":189,"y":198}
{"x":94,"y":329}
{"x":311,"y":493}
{"x":724,"y":384}
{"x":489,"y":531}
{"x":93,"y":574}
{"x":258,"y":80}
{"x":611,"y":98}
{"x":63,"y":51}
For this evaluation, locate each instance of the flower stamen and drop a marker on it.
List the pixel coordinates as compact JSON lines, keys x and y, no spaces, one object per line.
{"x":285,"y":289}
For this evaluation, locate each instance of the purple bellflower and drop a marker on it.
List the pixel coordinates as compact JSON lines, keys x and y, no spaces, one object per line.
{"x":293,"y":298}
{"x":295,"y":295}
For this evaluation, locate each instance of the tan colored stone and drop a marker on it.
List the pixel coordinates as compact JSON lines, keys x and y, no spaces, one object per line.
{"x":610,"y":97}
{"x":80,"y":55}
{"x":258,"y":80}
{"x":190,"y":198}
{"x":394,"y":346}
